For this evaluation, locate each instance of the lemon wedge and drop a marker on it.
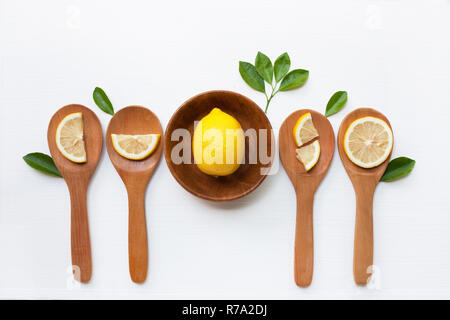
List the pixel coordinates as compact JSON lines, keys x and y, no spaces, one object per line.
{"x":69,"y":137}
{"x":135,"y":147}
{"x":304,"y":130}
{"x":368,"y":142}
{"x":309,"y":155}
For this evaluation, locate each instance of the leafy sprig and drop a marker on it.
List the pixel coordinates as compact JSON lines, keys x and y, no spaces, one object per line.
{"x":264,"y":71}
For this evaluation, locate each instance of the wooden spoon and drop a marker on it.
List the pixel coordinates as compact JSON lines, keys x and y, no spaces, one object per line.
{"x":305,"y":185}
{"x":135,"y":175}
{"x":77,"y":177}
{"x":364,"y":183}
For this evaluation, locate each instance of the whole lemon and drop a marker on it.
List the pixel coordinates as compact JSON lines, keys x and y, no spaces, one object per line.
{"x":218,"y":144}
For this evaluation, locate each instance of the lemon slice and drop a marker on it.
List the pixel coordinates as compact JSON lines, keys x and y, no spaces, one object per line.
{"x":309,"y":155}
{"x":69,"y":137}
{"x":368,"y":142}
{"x":135,"y":147}
{"x":304,"y":130}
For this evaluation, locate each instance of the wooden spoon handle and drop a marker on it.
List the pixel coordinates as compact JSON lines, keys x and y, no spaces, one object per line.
{"x":363,"y":247}
{"x":80,"y":240}
{"x":304,"y":240}
{"x":137,"y":235}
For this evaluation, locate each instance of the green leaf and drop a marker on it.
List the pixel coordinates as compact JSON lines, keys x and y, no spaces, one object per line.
{"x":281,"y":66}
{"x":102,"y":101}
{"x":42,"y":162}
{"x":336,"y":103}
{"x":294,"y":79}
{"x":251,"y":76}
{"x":264,"y":67}
{"x":398,"y":168}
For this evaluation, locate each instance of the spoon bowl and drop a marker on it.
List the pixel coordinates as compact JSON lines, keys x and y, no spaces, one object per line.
{"x":364,"y":183}
{"x":135,"y":174}
{"x":305,"y":184}
{"x":77,"y":177}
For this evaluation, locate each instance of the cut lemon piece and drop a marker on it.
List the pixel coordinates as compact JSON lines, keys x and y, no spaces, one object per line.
{"x":135,"y":147}
{"x":304,"y":130}
{"x":309,"y":155}
{"x":368,"y":142}
{"x":69,"y":137}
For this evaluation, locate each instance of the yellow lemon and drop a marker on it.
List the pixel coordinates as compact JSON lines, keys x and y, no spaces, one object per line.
{"x":218,"y":144}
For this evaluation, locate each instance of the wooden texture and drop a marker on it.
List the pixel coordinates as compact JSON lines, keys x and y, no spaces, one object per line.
{"x":305,"y":185}
{"x":364,"y":183}
{"x":77,"y":177}
{"x":135,"y":175}
{"x":248,"y":177}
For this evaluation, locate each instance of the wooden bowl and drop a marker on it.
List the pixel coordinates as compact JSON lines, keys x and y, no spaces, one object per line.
{"x":249,"y":175}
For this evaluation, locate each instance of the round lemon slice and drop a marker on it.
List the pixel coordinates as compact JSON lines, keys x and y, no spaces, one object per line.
{"x":309,"y":155}
{"x":304,"y":130}
{"x":135,"y":147}
{"x":69,"y":137}
{"x":368,"y":142}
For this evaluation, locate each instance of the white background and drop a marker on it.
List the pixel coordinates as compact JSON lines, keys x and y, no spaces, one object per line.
{"x":390,"y":55}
